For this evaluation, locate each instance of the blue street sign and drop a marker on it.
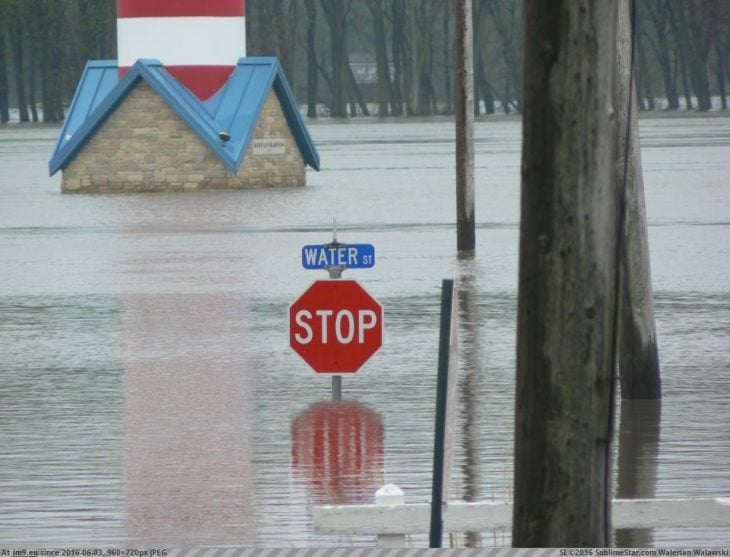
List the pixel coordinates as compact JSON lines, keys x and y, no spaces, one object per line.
{"x":349,"y":256}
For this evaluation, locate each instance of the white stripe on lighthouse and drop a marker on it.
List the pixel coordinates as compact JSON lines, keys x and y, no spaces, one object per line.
{"x":182,"y":41}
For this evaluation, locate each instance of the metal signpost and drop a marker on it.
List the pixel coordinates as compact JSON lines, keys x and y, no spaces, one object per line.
{"x":443,"y":449}
{"x":335,"y":325}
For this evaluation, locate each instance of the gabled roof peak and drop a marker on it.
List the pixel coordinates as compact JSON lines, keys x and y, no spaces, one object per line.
{"x":235,"y":109}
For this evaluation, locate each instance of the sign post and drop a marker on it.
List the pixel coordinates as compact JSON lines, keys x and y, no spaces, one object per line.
{"x":443,"y":448}
{"x":335,"y":325}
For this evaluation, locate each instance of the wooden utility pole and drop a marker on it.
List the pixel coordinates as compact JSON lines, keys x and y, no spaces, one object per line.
{"x":566,"y":277}
{"x":638,"y":353}
{"x":464,"y":116}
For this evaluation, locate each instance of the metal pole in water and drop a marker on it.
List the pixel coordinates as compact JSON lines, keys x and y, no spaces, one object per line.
{"x":335,"y":272}
{"x":439,"y":444}
{"x":337,"y":387}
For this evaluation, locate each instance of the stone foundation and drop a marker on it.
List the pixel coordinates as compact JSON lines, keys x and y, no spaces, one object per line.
{"x":145,"y":146}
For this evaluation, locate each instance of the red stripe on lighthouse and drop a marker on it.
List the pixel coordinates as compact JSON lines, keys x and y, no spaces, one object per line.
{"x":199,"y":42}
{"x":203,"y":81}
{"x":180,"y":8}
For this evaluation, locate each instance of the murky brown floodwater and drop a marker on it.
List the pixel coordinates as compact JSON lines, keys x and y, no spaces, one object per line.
{"x":148,"y":395}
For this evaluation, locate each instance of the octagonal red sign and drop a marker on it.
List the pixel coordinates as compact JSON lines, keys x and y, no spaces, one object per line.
{"x":335,"y":326}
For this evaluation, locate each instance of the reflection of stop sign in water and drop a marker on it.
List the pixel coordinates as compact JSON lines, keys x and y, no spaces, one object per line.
{"x":335,"y":326}
{"x":338,"y":448}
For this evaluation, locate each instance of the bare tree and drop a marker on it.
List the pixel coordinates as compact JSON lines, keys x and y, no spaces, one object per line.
{"x":657,"y":33}
{"x":507,"y":18}
{"x":722,"y":50}
{"x":420,"y":21}
{"x":381,"y":55}
{"x":335,"y":12}
{"x":722,"y":69}
{"x":48,"y":28}
{"x":644,"y":85}
{"x":312,"y":73}
{"x":16,"y":31}
{"x":695,"y":26}
{"x":397,"y":10}
{"x":4,"y":103}
{"x":447,"y":58}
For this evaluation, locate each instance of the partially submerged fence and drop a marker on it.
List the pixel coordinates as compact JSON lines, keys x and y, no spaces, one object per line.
{"x":392,"y":519}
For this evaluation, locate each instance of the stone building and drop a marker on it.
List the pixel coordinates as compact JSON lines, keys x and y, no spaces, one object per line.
{"x":147,"y":131}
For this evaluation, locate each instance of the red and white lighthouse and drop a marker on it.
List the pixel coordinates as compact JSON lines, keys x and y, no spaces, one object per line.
{"x":198,"y":41}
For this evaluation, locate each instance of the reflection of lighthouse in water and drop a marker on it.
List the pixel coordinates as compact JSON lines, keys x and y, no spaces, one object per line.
{"x":189,"y":401}
{"x":198,"y":42}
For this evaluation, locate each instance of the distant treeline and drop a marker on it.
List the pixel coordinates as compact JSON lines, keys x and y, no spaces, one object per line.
{"x":44,"y":45}
{"x":361,"y":57}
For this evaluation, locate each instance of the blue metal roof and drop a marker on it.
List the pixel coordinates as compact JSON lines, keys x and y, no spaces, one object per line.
{"x":235,"y":109}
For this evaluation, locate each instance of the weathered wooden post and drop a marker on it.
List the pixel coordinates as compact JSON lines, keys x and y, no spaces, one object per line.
{"x":566,"y":278}
{"x":638,"y":353}
{"x":464,"y":116}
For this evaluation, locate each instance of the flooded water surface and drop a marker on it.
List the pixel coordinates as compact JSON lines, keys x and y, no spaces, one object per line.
{"x":148,"y":395}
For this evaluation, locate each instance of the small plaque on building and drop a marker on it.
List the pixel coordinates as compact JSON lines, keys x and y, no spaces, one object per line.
{"x":272,"y":146}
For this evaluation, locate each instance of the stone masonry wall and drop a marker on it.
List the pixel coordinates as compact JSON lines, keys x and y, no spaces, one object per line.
{"x":145,"y":146}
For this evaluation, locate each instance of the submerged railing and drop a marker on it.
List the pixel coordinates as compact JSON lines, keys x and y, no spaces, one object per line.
{"x":392,"y":519}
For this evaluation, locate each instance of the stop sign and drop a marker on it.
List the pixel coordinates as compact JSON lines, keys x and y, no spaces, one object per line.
{"x":335,"y":326}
